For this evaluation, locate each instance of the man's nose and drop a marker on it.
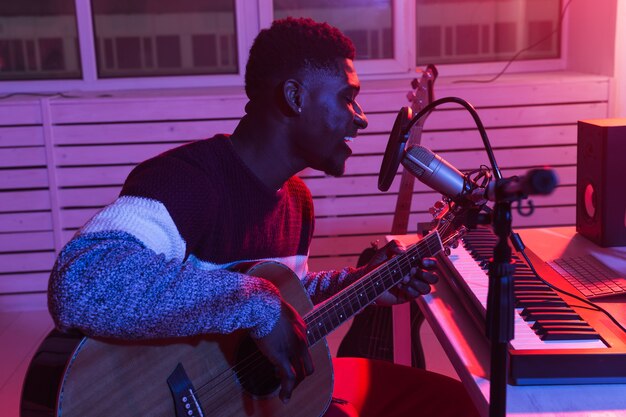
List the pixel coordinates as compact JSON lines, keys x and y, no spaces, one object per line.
{"x":359,"y":116}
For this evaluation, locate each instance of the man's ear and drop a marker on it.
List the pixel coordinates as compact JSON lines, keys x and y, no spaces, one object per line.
{"x":293,"y":95}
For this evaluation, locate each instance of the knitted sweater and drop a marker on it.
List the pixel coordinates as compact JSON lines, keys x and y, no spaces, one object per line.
{"x":153,"y":264}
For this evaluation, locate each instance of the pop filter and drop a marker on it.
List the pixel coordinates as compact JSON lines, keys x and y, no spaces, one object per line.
{"x":395,"y":149}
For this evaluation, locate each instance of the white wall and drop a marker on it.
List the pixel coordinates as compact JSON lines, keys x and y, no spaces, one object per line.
{"x":618,"y":98}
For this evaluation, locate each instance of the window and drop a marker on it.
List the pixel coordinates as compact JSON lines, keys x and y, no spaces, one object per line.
{"x":38,"y":40}
{"x":462,"y":31}
{"x":131,"y":44}
{"x":163,"y":37}
{"x":371,"y":30}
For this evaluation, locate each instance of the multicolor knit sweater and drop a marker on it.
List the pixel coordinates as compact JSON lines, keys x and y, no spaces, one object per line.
{"x":153,"y":263}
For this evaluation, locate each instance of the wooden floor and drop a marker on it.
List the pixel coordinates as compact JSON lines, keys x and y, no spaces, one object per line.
{"x":24,"y":322}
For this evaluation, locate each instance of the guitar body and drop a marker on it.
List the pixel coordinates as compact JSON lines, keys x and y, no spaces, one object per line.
{"x":79,"y":376}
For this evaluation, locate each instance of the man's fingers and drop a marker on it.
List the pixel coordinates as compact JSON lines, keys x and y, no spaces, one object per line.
{"x":430,"y":278}
{"x":307,"y":360}
{"x":393,"y":248}
{"x":428,"y":263}
{"x":417,"y":274}
{"x":421,"y":287}
{"x":415,"y":288}
{"x":287,"y":381}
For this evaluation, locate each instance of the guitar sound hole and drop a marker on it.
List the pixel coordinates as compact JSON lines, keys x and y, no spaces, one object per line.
{"x":255,"y":373}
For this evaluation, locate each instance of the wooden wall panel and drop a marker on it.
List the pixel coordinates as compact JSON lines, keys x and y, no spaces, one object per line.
{"x":167,"y":131}
{"x":26,"y":236}
{"x":151,"y":106}
{"x":17,"y":112}
{"x":21,"y":136}
{"x":27,"y":178}
{"x":62,"y":159}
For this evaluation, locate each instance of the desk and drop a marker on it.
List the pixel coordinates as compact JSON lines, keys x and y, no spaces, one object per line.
{"x":468,"y":349}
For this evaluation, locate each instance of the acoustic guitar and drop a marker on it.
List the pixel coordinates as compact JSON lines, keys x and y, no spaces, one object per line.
{"x":371,"y":333}
{"x":218,"y":375}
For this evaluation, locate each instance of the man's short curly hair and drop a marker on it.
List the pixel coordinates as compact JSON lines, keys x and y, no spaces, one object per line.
{"x":290,"y":45}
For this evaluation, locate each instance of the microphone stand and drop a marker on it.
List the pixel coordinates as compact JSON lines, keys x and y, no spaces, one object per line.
{"x":500,"y":305}
{"x":499,"y":326}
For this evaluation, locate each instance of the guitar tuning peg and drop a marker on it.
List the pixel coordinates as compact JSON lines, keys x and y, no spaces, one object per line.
{"x":410,"y":96}
{"x":437,"y":208}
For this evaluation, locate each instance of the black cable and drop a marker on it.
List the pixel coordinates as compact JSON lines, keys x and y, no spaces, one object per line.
{"x":508,"y":64}
{"x":479,"y":124}
{"x":562,"y":291}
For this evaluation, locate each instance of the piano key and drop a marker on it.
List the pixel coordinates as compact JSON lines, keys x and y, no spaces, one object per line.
{"x":539,"y":303}
{"x":569,"y":335}
{"x":537,"y":294}
{"x":548,"y":329}
{"x":579,"y":323}
{"x":551,"y":315}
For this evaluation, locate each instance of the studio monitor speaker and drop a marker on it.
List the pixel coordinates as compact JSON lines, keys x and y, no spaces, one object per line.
{"x":601,"y":181}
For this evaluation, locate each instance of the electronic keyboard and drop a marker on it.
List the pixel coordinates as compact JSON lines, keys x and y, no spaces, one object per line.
{"x":558,"y":339}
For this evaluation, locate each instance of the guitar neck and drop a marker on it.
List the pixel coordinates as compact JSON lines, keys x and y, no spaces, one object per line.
{"x":336,"y":310}
{"x":400,"y":225}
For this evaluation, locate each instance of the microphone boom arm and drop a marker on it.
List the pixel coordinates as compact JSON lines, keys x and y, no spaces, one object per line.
{"x":479,"y":124}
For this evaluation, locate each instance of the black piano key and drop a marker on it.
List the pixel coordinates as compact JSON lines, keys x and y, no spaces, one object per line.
{"x":548,"y":329}
{"x":538,"y":297}
{"x":524,"y":272}
{"x":569,"y":335}
{"x":530,"y":281}
{"x":541,"y":323}
{"x":539,"y":302}
{"x":551,"y":315}
{"x":525,"y":285}
{"x":537,"y":293}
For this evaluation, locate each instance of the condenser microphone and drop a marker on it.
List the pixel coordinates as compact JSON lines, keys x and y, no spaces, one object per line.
{"x":441,"y":176}
{"x":435,"y":172}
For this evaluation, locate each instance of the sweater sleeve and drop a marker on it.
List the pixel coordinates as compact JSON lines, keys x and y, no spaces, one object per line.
{"x":125,"y":275}
{"x":324,"y":284}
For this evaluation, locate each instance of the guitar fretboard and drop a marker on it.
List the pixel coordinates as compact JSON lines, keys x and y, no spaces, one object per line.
{"x":333,"y":312}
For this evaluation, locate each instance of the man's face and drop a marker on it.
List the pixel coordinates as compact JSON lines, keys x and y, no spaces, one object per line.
{"x":330,"y":118}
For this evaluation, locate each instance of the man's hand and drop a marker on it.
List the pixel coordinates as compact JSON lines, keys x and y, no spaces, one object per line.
{"x":416,"y":283}
{"x":286,"y":347}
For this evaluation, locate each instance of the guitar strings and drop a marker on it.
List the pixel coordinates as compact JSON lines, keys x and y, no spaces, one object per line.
{"x":373,"y":275}
{"x":253,"y":361}
{"x":404,"y":263}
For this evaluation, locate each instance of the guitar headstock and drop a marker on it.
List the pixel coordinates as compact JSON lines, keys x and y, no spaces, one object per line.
{"x":449,"y":220}
{"x":423,"y":89}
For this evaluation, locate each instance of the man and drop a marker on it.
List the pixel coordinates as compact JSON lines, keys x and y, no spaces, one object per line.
{"x":153,"y":264}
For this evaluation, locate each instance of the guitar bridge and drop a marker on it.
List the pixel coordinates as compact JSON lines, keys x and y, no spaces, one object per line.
{"x":185,"y":400}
